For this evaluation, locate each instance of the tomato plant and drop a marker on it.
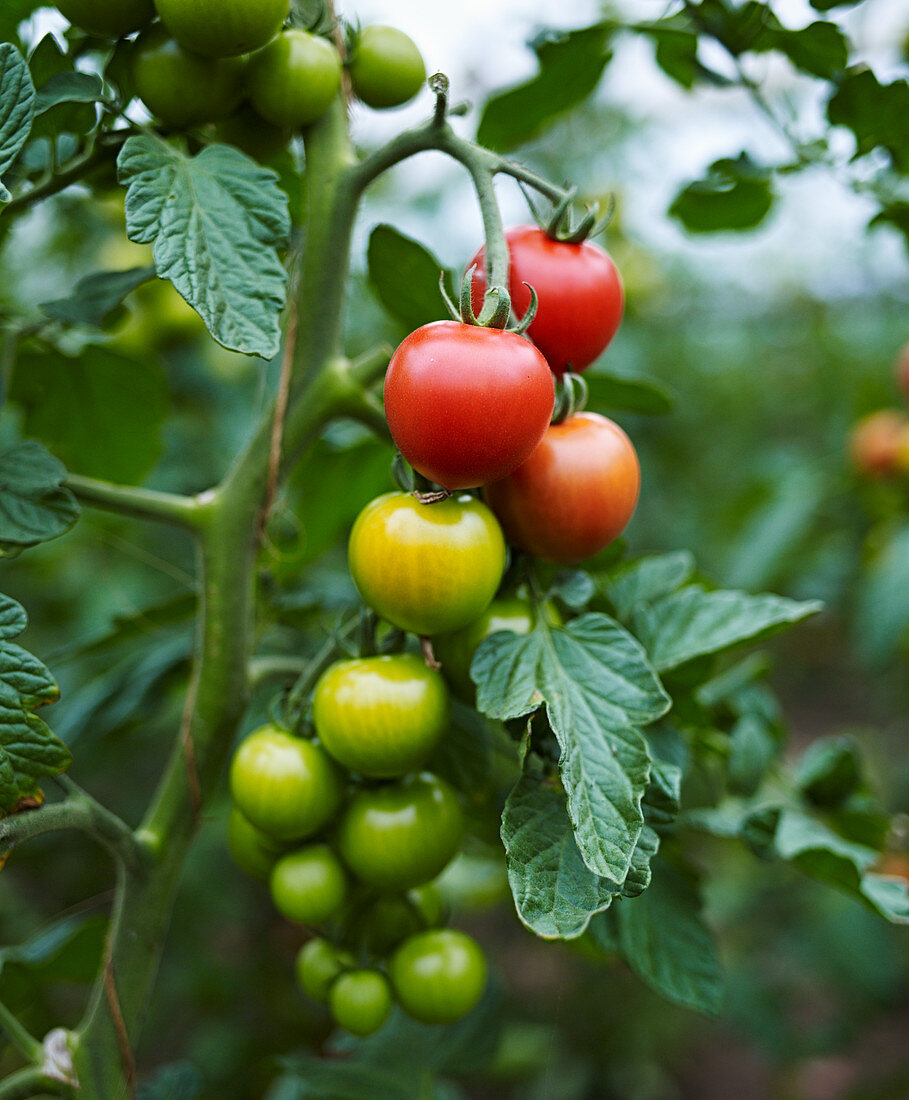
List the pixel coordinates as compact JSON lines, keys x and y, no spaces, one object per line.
{"x":438,"y":976}
{"x":426,"y":567}
{"x":574,"y":495}
{"x":253,"y":851}
{"x":360,"y":1001}
{"x":309,"y":885}
{"x":285,"y":786}
{"x":181,"y":88}
{"x":294,"y":79}
{"x":223,"y":28}
{"x":386,"y":68}
{"x":580,"y":294}
{"x":317,"y":965}
{"x":108,"y":18}
{"x":380,"y":716}
{"x":467,"y":404}
{"x":401,"y":835}
{"x":455,"y":650}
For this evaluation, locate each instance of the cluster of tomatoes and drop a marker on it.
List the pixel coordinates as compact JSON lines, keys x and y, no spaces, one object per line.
{"x":350,"y":831}
{"x":879,"y":444}
{"x":201,"y":59}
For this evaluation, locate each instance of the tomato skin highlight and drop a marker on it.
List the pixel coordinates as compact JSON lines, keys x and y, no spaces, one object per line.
{"x":426,"y":567}
{"x":579,"y":290}
{"x":381,"y":717}
{"x":401,"y":835}
{"x":283,"y":785}
{"x":294,"y":79}
{"x":438,"y":976}
{"x":574,"y":495}
{"x":386,"y":68}
{"x":466,"y":405}
{"x":223,"y":28}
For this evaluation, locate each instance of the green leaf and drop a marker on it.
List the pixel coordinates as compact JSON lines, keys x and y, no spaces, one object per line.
{"x":17,"y":108}
{"x":34,"y":506}
{"x":826,"y":5}
{"x":217,"y":221}
{"x":882,"y":613}
{"x":893,"y":213}
{"x":734,"y":195}
{"x":554,"y":892}
{"x":97,"y":296}
{"x":596,"y":683}
{"x":639,"y":873}
{"x":464,"y":757}
{"x":101,"y":412}
{"x":647,"y":579}
{"x":406,"y":277}
{"x":676,"y":53}
{"x":28,"y":749}
{"x":751,"y":750}
{"x":61,"y":105}
{"x":820,"y":49}
{"x":876,"y":113}
{"x":829,"y":770}
{"x":571,"y":64}
{"x":178,"y":1081}
{"x":694,"y":622}
{"x":626,"y":393}
{"x":69,"y":87}
{"x":663,"y":794}
{"x":66,"y":950}
{"x":664,"y":940}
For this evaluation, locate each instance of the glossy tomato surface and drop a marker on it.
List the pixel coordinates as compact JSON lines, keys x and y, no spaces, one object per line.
{"x":386,"y":68}
{"x":580,"y":295}
{"x":252,"y":850}
{"x":438,"y":976}
{"x":317,"y":965}
{"x":309,"y":886}
{"x":285,"y":786}
{"x":426,"y":567}
{"x":574,"y":495}
{"x":294,"y":79}
{"x":455,"y":650}
{"x":361,"y":1001}
{"x":179,"y":87}
{"x":466,"y":405}
{"x":223,"y":28}
{"x":107,"y":18}
{"x":381,"y":716}
{"x":401,"y":835}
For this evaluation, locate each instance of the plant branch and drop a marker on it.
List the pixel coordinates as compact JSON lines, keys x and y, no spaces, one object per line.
{"x":69,"y":175}
{"x":128,"y":500}
{"x":31,"y":1082}
{"x":21,"y":1038}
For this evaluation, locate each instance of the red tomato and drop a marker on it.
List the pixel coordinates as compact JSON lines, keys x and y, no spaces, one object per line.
{"x":579,"y":291}
{"x":575,"y":493}
{"x":466,"y":405}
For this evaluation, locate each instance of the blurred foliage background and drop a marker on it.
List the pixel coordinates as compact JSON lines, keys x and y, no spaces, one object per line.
{"x":771,"y":343}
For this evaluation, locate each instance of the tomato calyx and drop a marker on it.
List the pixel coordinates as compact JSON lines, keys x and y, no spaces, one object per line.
{"x":496,"y":310}
{"x":571,"y":396}
{"x":557,"y":225}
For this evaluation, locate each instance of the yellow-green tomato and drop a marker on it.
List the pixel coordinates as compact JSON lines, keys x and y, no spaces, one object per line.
{"x":107,"y":18}
{"x":386,"y":68}
{"x":253,"y":851}
{"x":294,"y":79}
{"x":309,"y":886}
{"x":455,"y":650}
{"x":360,"y":1001}
{"x":401,"y":835}
{"x":427,"y":568}
{"x":180,"y":88}
{"x":438,"y":976}
{"x":223,"y":28}
{"x":284,"y":785}
{"x":381,"y":716}
{"x":318,"y":963}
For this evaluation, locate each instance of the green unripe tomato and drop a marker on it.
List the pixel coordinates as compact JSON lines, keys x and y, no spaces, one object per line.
{"x":223,"y":28}
{"x":253,"y":851}
{"x":391,"y":919}
{"x":309,"y":886}
{"x":455,"y":650}
{"x":386,"y":69}
{"x":381,"y":716}
{"x":427,"y":568}
{"x":252,"y":135}
{"x":360,"y":1001}
{"x":401,"y":835}
{"x":107,"y":18}
{"x":285,"y":786}
{"x":318,"y":963}
{"x":438,"y":976}
{"x":294,"y":79}
{"x":180,"y":88}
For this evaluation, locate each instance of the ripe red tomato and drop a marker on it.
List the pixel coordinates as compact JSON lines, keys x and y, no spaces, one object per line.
{"x":579,"y":291}
{"x":575,"y":493}
{"x":466,"y":405}
{"x":879,"y":444}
